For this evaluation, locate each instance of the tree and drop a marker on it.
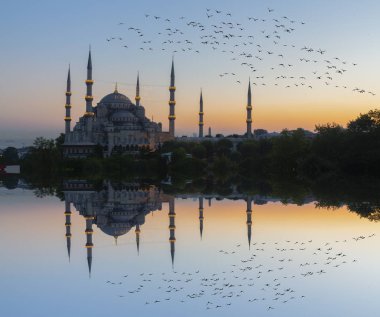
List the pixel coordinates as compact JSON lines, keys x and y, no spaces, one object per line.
{"x":329,"y":128}
{"x":10,"y":155}
{"x":199,"y":151}
{"x":288,"y":151}
{"x":60,"y":140}
{"x":223,"y":147}
{"x":259,"y":132}
{"x":41,"y":143}
{"x":365,"y":122}
{"x":43,"y":158}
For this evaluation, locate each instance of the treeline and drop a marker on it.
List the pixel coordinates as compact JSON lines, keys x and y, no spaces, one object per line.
{"x":333,"y":150}
{"x":359,"y":194}
{"x":45,"y":161}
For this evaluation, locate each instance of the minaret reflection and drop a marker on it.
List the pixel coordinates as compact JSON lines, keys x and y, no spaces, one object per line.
{"x":249,"y":220}
{"x":117,"y":208}
{"x":137,"y":232}
{"x":68,"y":227}
{"x":201,"y":218}
{"x":172,"y":229}
{"x":89,"y":244}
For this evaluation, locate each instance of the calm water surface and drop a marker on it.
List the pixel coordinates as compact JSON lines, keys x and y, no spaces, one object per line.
{"x":153,"y":254}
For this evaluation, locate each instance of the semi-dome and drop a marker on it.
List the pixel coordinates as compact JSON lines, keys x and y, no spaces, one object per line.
{"x":116,"y":97}
{"x":116,"y":231}
{"x":124,"y":116}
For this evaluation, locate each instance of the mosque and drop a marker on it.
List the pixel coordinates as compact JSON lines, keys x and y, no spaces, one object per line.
{"x":116,"y":124}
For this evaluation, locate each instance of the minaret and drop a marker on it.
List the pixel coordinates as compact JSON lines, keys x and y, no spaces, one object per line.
{"x":201,"y":123}
{"x":209,"y":132}
{"x":201,"y":216}
{"x":89,"y":244}
{"x":137,"y":231}
{"x":249,"y":112}
{"x":89,"y":82}
{"x":172,"y":103}
{"x":249,"y":219}
{"x":172,"y":228}
{"x":68,"y":227}
{"x":138,"y":98}
{"x":68,"y":104}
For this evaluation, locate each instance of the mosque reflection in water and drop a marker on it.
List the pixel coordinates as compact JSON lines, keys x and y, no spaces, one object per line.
{"x":118,"y":208}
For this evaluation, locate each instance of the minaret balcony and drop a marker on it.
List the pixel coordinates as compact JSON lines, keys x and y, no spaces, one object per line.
{"x":89,"y":81}
{"x":249,"y":120}
{"x":171,"y":117}
{"x":172,"y":102}
{"x":172,"y":88}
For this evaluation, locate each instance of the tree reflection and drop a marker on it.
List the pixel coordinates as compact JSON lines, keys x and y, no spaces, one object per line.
{"x":359,"y":195}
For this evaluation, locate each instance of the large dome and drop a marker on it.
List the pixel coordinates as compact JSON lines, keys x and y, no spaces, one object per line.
{"x":116,"y":97}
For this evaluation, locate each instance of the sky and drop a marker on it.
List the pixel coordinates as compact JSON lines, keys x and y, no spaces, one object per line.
{"x":39,"y":39}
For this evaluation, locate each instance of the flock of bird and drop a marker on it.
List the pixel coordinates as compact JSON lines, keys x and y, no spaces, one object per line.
{"x":264,"y":276}
{"x":261,"y":46}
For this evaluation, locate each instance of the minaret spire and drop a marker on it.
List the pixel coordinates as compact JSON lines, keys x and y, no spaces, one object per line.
{"x":249,"y":111}
{"x":172,"y":228}
{"x":201,"y":123}
{"x":68,"y":227}
{"x":249,"y":220}
{"x":201,"y":216}
{"x":172,"y":102}
{"x":138,"y":98}
{"x":68,"y":104}
{"x":89,"y":82}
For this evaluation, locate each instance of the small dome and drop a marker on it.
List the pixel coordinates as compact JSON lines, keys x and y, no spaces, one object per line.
{"x":116,"y":97}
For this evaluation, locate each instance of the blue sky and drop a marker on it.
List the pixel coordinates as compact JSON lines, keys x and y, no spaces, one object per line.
{"x":40,"y":38}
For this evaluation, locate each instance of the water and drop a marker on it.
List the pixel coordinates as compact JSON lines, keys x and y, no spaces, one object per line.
{"x":301,"y":261}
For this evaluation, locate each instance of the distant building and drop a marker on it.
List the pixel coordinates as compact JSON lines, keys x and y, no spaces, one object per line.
{"x":115,"y":124}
